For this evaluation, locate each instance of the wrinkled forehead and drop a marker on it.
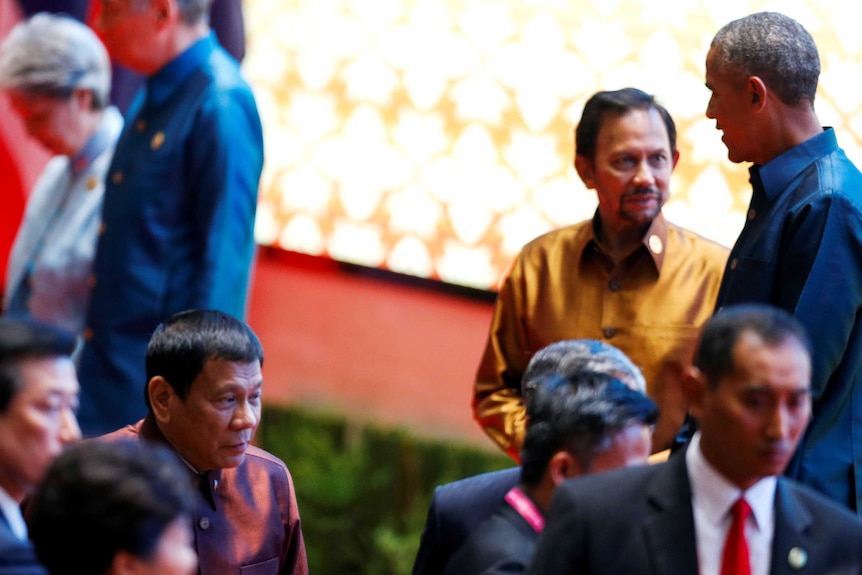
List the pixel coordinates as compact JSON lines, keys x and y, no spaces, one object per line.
{"x":221,"y":373}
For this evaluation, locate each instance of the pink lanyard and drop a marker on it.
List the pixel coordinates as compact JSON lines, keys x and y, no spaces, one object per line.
{"x":526,"y":508}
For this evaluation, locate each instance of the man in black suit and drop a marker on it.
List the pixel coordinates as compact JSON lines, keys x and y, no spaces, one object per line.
{"x":588,"y":423}
{"x":457,"y":508}
{"x":38,"y":400}
{"x":750,"y":394}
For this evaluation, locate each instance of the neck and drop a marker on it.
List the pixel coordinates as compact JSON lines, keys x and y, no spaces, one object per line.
{"x":90,"y":125}
{"x":13,"y":489}
{"x":188,"y":35}
{"x":180,"y":38}
{"x":618,"y":244}
{"x":540,"y":493}
{"x":791,"y":126}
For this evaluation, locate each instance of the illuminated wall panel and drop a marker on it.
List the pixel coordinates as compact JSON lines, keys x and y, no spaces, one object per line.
{"x":434,"y":137}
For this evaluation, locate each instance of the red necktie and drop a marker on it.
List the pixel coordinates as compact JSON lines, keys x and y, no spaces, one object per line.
{"x":734,"y":560}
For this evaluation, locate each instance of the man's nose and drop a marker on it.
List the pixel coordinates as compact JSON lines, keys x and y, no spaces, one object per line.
{"x":778,"y":426}
{"x":643,"y":174}
{"x":245,"y":416}
{"x":70,"y":432}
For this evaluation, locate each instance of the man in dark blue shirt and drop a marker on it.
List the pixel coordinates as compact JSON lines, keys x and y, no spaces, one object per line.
{"x":180,"y":198}
{"x":801,"y":247}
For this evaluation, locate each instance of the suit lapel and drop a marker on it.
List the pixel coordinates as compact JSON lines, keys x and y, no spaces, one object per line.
{"x":792,"y":522}
{"x":669,"y":522}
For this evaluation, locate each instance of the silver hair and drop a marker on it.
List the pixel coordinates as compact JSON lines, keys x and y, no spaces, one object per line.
{"x":775,"y":48}
{"x":568,"y":357}
{"x":54,"y":55}
{"x":194,"y":11}
{"x":191,"y":11}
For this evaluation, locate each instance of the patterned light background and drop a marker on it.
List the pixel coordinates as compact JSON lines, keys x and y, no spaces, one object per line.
{"x":434,"y":137}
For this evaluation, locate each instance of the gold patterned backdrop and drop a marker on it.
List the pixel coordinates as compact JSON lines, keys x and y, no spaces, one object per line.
{"x":434,"y":137}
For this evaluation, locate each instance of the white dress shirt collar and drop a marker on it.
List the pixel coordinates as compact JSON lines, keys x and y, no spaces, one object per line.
{"x":712,"y":497}
{"x":12,"y":513}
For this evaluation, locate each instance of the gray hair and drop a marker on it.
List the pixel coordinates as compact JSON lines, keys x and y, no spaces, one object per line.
{"x":773,"y":47}
{"x":568,"y":357}
{"x":194,"y":11}
{"x":54,"y":55}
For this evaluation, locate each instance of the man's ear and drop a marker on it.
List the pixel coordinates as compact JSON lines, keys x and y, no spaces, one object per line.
{"x":562,"y":466}
{"x":758,"y":92}
{"x":584,"y":167}
{"x":160,"y":393}
{"x":166,"y":11}
{"x":693,"y":385}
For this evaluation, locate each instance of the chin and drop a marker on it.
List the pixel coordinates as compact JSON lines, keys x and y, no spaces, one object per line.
{"x":735,"y":157}
{"x":229,"y":462}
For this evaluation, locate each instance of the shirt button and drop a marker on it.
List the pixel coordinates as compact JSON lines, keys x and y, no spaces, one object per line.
{"x":204,"y":523}
{"x":615,"y":284}
{"x":141,"y":125}
{"x":733,"y":264}
{"x":88,"y":334}
{"x":91,"y":281}
{"x":117,"y":178}
{"x":609,"y":332}
{"x":102,"y":228}
{"x":752,"y":214}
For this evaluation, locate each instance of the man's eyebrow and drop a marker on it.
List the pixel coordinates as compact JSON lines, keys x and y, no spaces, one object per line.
{"x":233,"y":386}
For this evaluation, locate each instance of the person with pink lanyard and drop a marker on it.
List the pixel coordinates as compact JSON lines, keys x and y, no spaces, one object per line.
{"x":587,"y":423}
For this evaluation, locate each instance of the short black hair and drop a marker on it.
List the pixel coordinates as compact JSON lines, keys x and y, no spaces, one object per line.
{"x":579,"y":413}
{"x":24,"y":338}
{"x":98,"y":498}
{"x":183,"y":343}
{"x":714,"y":354}
{"x":616,"y":103}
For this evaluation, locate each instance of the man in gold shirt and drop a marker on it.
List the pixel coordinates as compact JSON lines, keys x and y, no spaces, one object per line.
{"x":627,"y":277}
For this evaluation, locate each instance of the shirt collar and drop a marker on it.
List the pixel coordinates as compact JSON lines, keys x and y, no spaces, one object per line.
{"x":654,"y":240}
{"x":161,"y":85}
{"x":11,"y":510}
{"x":98,"y":142}
{"x":715,"y":495}
{"x":775,"y":175}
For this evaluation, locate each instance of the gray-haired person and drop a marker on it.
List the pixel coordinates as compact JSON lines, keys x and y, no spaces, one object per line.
{"x":457,"y":508}
{"x":587,"y":423}
{"x":57,"y":76}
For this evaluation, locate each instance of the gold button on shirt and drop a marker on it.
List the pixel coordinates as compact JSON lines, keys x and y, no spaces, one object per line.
{"x":557,"y":289}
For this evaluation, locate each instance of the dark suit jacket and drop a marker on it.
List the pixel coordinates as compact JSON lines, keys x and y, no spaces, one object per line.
{"x":639,"y":521}
{"x":17,"y":557}
{"x":457,"y":509}
{"x":504,"y":543}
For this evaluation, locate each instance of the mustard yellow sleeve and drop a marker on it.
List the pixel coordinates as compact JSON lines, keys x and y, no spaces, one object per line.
{"x":497,"y":402}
